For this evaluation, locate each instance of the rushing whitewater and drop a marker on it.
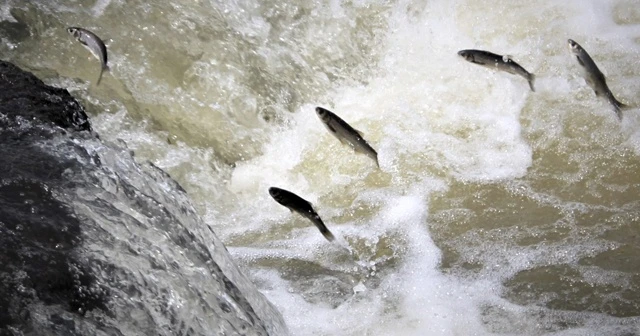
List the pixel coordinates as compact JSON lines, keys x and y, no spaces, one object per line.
{"x":496,"y":210}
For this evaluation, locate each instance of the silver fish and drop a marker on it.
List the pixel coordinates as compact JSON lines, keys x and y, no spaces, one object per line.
{"x":594,"y":77}
{"x":303,"y":207}
{"x":92,"y":42}
{"x":346,"y":134}
{"x":494,"y":61}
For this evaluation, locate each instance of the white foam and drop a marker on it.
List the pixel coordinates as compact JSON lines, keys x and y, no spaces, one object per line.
{"x":419,"y":297}
{"x":435,"y":120}
{"x":5,"y":14}
{"x":432,"y":116}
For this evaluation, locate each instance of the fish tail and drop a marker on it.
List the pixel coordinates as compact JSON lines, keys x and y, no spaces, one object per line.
{"x":100,"y":77}
{"x":328,"y":235}
{"x":374,"y":156}
{"x":619,"y":114}
{"x":531,"y":78}
{"x":323,"y":228}
{"x":102,"y":70}
{"x":618,"y":106}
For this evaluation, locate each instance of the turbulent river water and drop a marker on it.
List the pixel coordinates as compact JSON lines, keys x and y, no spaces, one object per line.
{"x":496,"y":210}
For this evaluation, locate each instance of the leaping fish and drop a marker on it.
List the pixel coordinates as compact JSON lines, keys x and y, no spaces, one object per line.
{"x":495,"y":61}
{"x":92,"y":42}
{"x":301,"y":206}
{"x":594,"y":77}
{"x":346,"y":134}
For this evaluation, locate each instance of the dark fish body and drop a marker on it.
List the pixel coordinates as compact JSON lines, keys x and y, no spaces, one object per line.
{"x":92,"y":42}
{"x":301,"y":206}
{"x":594,"y":77}
{"x":346,"y":134}
{"x":499,"y":62}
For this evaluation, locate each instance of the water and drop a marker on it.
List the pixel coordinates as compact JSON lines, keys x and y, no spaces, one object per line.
{"x":496,"y":210}
{"x":92,"y":243}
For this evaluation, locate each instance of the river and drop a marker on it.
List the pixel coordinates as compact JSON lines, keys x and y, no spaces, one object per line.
{"x":496,"y":210}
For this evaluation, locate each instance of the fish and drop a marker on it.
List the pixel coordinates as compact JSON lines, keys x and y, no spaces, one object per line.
{"x":301,"y":206}
{"x":346,"y":134}
{"x":92,"y":42}
{"x":594,"y":77}
{"x":495,"y":61}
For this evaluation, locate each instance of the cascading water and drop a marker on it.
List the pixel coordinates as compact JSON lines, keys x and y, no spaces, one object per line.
{"x":496,"y":210}
{"x":92,"y":243}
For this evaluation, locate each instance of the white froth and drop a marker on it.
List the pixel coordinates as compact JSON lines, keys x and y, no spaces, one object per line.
{"x":427,"y":109}
{"x":421,"y":297}
{"x":5,"y":14}
{"x":431,"y":115}
{"x":434,"y":118}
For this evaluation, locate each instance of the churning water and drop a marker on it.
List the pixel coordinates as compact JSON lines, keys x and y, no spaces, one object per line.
{"x":496,"y":210}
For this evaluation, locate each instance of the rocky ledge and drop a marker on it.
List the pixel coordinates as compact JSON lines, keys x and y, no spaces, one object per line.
{"x":94,"y":243}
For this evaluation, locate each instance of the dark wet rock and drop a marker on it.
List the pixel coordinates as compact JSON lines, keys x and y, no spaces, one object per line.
{"x":24,"y":97}
{"x":93,"y":243}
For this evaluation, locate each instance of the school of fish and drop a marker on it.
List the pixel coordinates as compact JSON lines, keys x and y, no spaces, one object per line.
{"x":354,"y":138}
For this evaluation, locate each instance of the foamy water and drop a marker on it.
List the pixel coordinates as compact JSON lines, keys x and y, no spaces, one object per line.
{"x":496,"y":210}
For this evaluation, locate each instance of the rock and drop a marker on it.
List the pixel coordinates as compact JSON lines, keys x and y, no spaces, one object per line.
{"x":93,"y":243}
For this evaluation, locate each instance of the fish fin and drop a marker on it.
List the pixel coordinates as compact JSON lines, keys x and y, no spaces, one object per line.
{"x":311,"y":211}
{"x":618,"y":105}
{"x":532,"y":80}
{"x":580,"y":60}
{"x":359,"y":133}
{"x":507,"y":58}
{"x":593,"y":86}
{"x":331,"y":129}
